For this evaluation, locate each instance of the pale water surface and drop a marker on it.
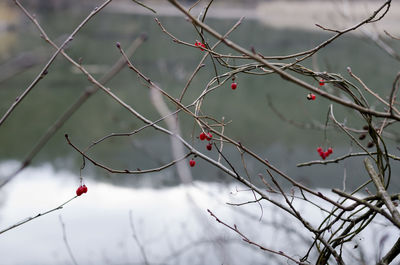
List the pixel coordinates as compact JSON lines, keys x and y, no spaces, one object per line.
{"x":171,"y":224}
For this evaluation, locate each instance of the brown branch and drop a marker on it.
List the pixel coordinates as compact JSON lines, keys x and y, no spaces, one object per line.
{"x":391,"y":36}
{"x":125,"y":171}
{"x":332,"y":116}
{"x":96,"y":142}
{"x":284,"y":74}
{"x":364,"y":202}
{"x":312,"y":51}
{"x":45,"y":69}
{"x":115,"y":69}
{"x":391,"y":255}
{"x":373,"y":93}
{"x":382,"y":193}
{"x":36,"y":216}
{"x":135,"y":237}
{"x":145,"y":6}
{"x":65,"y":239}
{"x":328,"y":29}
{"x":393,"y":93}
{"x":340,"y":158}
{"x":247,"y":240}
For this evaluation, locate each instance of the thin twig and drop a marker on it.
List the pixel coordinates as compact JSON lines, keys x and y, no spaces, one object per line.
{"x":382,"y":193}
{"x":284,"y":74}
{"x":65,"y":239}
{"x":340,"y":158}
{"x":145,"y":6}
{"x":247,"y":240}
{"x":114,"y":70}
{"x":125,"y":171}
{"x":45,"y":69}
{"x":135,"y":237}
{"x":36,"y":216}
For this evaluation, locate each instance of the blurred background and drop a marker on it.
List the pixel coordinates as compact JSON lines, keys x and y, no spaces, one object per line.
{"x":267,"y":114}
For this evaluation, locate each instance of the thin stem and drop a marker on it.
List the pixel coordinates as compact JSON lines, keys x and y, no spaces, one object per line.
{"x":36,"y":216}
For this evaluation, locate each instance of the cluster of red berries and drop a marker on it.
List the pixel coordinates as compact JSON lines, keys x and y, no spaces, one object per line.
{"x":200,"y":45}
{"x":81,"y":190}
{"x":311,"y":96}
{"x":203,"y":136}
{"x":325,"y":154}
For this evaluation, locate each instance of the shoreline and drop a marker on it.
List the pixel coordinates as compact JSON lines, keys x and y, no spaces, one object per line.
{"x":282,"y":14}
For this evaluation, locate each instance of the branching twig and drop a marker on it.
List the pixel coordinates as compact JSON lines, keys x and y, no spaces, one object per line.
{"x":135,"y":237}
{"x":382,"y":193}
{"x":45,"y":69}
{"x":65,"y":239}
{"x":247,"y":240}
{"x":115,"y":69}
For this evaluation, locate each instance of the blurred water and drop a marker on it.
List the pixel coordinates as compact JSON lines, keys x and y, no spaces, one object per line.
{"x":171,"y":224}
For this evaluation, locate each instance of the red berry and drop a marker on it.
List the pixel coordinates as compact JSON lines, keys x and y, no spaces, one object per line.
{"x":319,"y":150}
{"x":326,"y":154}
{"x":321,"y":82}
{"x":234,"y":85}
{"x":84,"y":189}
{"x":209,"y":147}
{"x":209,"y":136}
{"x":79,"y":191}
{"x":311,"y":96}
{"x":330,"y":150}
{"x":202,"y":136}
{"x":192,"y":163}
{"x":323,"y":156}
{"x":198,"y":43}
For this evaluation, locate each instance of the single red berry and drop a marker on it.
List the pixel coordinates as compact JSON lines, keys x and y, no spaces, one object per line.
{"x":84,"y":189}
{"x":321,"y":82}
{"x":192,"y":163}
{"x":323,"y":156}
{"x":79,"y":191}
{"x":202,"y":136}
{"x":330,"y":150}
{"x":234,"y":85}
{"x":209,"y":136}
{"x":319,"y":150}
{"x":326,"y":153}
{"x":209,"y":147}
{"x":311,"y":96}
